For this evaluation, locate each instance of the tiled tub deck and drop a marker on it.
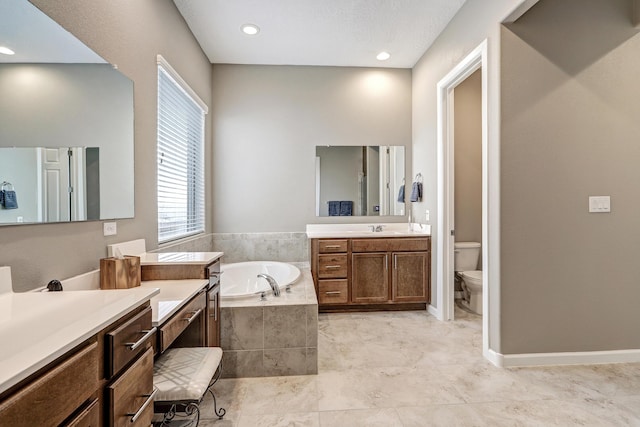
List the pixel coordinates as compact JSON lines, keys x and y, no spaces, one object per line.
{"x":272,"y":338}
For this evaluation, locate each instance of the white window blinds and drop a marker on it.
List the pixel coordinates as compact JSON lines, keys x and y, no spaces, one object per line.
{"x":180,"y":157}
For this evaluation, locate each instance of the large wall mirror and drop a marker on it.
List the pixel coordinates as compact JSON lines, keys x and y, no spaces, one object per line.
{"x":360,"y":180}
{"x":66,"y":125}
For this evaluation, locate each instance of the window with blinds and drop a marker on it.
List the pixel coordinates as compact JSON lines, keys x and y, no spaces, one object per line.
{"x":180,"y":157}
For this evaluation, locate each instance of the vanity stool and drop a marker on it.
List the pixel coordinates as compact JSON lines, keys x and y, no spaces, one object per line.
{"x":182,"y":377}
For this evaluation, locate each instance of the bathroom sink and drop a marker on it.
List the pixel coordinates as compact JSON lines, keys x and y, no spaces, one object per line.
{"x":364,"y":230}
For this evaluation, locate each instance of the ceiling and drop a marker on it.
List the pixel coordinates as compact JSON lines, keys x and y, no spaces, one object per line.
{"x":34,"y":37}
{"x":318,"y":32}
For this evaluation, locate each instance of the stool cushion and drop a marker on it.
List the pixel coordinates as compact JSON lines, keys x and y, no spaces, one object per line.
{"x":185,"y":373}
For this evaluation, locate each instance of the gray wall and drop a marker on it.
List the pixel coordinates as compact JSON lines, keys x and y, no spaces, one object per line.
{"x":129,"y":34}
{"x":476,"y":21}
{"x":340,"y":168}
{"x":468,"y":159}
{"x":570,"y":130}
{"x":267,"y":122}
{"x":19,"y":167}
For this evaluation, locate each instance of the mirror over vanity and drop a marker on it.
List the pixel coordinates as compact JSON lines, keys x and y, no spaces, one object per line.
{"x":66,"y":125}
{"x":360,"y":180}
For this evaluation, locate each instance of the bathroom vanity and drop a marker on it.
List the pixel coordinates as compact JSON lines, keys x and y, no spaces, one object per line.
{"x":70,"y":357}
{"x":202,"y":316}
{"x":355,"y":268}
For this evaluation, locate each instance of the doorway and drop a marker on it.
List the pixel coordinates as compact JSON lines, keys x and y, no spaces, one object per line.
{"x":476,"y":60}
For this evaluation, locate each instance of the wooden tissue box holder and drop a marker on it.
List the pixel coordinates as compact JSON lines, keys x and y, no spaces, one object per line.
{"x":120,"y":273}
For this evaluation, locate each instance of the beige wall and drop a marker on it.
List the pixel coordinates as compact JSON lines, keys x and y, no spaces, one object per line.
{"x":468,"y":158}
{"x":267,"y":121}
{"x":129,"y":34}
{"x":570,"y":130}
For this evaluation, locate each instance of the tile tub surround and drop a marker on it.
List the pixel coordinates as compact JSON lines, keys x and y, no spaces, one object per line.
{"x":284,"y":247}
{"x":274,"y":337}
{"x":439,"y":378}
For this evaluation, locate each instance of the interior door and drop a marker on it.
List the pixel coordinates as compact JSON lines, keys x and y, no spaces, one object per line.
{"x":55,"y":184}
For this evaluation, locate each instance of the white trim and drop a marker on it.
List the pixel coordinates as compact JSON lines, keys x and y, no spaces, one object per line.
{"x":477,"y":59}
{"x":569,"y":358}
{"x":496,"y":358}
{"x":174,"y":74}
{"x":434,"y":312}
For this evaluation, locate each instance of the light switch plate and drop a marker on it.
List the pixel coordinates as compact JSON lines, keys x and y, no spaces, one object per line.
{"x":110,"y":229}
{"x":599,"y":204}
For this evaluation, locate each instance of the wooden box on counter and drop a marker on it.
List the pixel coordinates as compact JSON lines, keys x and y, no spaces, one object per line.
{"x":116,"y":273}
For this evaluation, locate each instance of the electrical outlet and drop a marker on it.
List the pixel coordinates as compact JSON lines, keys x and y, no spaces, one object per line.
{"x":426,"y":215}
{"x":110,"y":229}
{"x":20,"y":219}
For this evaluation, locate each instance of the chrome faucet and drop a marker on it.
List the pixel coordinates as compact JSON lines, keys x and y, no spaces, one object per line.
{"x":272,"y":282}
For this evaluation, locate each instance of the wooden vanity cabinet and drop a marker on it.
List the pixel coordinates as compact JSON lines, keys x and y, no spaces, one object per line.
{"x":330,"y":267}
{"x":84,"y":387}
{"x":204,"y":329}
{"x":371,"y":273}
{"x":66,"y":386}
{"x":186,"y":328}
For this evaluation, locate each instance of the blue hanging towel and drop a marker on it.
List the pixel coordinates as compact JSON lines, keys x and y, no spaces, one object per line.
{"x":346,"y":208}
{"x":334,"y":208}
{"x":8,"y":197}
{"x":416,"y":192}
{"x":401,"y":194}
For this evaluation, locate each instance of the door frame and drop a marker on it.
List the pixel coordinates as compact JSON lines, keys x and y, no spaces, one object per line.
{"x":475,"y":60}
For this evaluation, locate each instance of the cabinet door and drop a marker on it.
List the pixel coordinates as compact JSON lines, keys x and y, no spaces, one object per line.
{"x":410,"y":276}
{"x":370,"y":278}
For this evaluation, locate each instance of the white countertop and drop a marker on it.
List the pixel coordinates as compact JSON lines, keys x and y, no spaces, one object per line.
{"x":173,"y":295}
{"x":170,"y":258}
{"x":396,"y":229}
{"x":38,"y":327}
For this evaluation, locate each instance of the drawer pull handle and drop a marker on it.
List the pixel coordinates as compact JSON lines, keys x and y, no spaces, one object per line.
{"x":134,"y":345}
{"x":134,"y":417}
{"x":333,"y":293}
{"x":332,"y":247}
{"x":193,"y":316}
{"x":333,"y":267}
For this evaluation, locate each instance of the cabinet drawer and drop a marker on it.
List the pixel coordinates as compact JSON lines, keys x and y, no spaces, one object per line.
{"x":392,"y":244}
{"x":191,"y":312}
{"x":131,"y":395}
{"x":333,"y":291}
{"x":127,"y":341}
{"x":331,"y":246}
{"x":89,"y":417}
{"x":332,"y":266}
{"x":55,"y":395}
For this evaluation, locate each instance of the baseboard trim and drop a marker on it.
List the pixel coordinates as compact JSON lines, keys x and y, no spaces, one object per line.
{"x":568,"y":358}
{"x":434,"y":312}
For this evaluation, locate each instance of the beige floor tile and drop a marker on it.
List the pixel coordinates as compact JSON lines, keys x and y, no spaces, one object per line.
{"x":408,"y":369}
{"x":281,"y":420}
{"x":387,"y":417}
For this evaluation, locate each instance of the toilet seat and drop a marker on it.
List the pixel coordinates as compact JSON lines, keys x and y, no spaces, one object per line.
{"x":475,"y":275}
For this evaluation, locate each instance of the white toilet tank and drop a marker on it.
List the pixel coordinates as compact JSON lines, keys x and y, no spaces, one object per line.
{"x":466,"y":256}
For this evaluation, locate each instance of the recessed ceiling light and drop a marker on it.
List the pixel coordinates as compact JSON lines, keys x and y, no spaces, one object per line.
{"x":6,"y":50}
{"x":383,"y":56}
{"x":250,"y":29}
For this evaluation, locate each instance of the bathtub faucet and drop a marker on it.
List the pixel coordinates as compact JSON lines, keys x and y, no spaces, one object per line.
{"x":272,"y":283}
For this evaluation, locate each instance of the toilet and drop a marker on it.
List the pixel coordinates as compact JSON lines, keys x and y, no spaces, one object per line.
{"x":465,"y":265}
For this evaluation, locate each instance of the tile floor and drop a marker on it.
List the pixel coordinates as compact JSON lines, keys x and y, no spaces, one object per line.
{"x":407,"y":369}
